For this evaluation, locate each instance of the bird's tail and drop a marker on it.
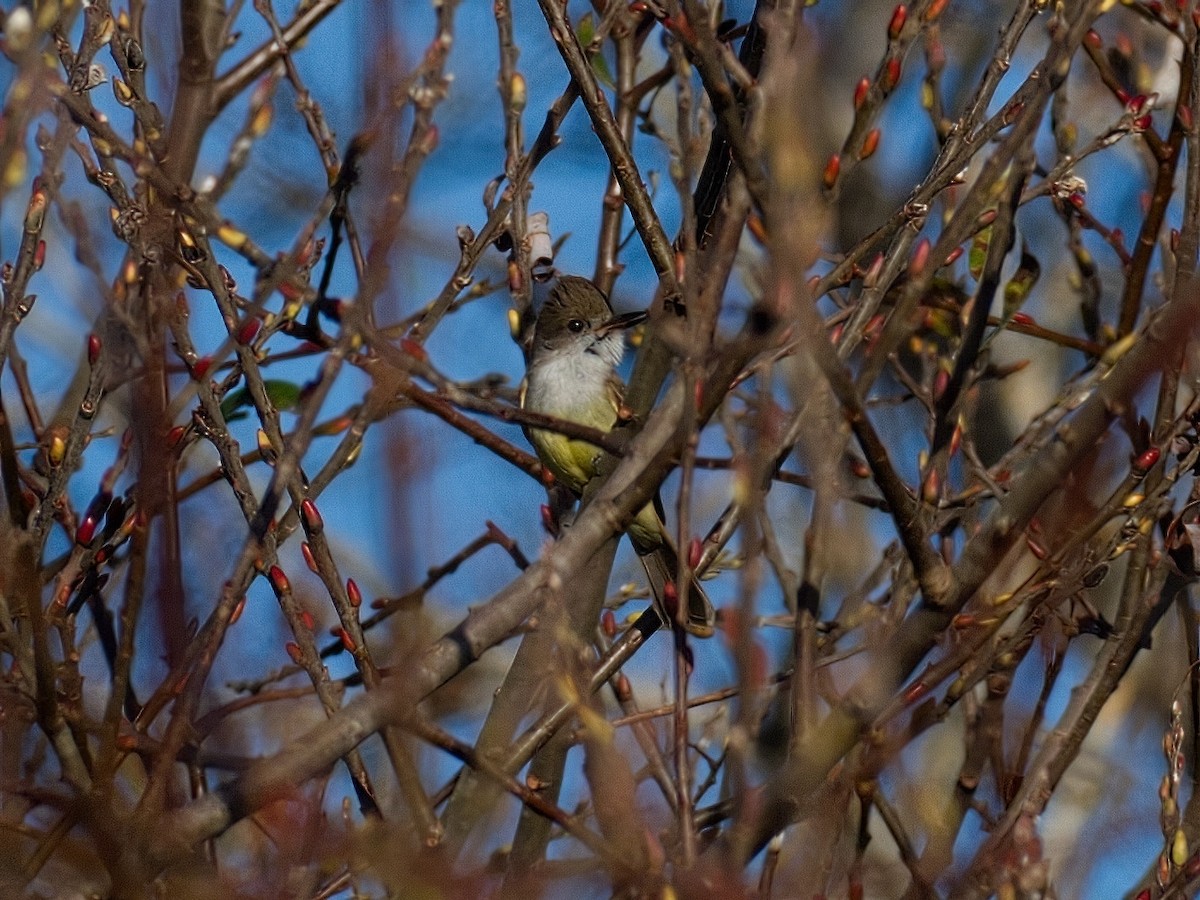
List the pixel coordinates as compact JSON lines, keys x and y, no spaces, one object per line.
{"x":662,"y":569}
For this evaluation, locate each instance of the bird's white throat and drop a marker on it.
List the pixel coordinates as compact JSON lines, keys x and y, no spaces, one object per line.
{"x":573,"y":383}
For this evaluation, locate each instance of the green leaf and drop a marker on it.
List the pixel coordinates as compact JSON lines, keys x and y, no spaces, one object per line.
{"x":1017,"y":291}
{"x":603,"y":75}
{"x":586,"y":32}
{"x":284,"y":395}
{"x":977,"y":255}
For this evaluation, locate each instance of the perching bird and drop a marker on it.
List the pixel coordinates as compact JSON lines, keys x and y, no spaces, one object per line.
{"x":577,"y":345}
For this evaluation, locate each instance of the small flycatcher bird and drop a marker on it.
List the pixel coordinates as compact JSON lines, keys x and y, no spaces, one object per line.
{"x":577,"y":345}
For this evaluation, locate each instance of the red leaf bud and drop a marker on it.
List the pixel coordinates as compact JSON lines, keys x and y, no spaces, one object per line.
{"x":891,"y":75}
{"x":623,"y":688}
{"x":414,"y":349}
{"x":670,"y":600}
{"x":861,"y":90}
{"x":279,"y":580}
{"x":920,"y":257}
{"x":1145,"y":460}
{"x":870,"y":144}
{"x":249,"y":330}
{"x":35,"y":213}
{"x":932,"y":487}
{"x":940,"y":382}
{"x":915,"y":692}
{"x":309,"y":559}
{"x":608,"y":622}
{"x":832,"y":168}
{"x":313,"y":523}
{"x":86,"y":532}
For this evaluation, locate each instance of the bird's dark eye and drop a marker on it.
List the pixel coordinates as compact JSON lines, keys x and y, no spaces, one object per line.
{"x":576,"y":325}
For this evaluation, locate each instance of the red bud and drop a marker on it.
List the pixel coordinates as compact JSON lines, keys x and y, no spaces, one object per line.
{"x":353,"y":594}
{"x":832,"y":168}
{"x":309,"y":559}
{"x":941,"y":381}
{"x":920,"y":257}
{"x":931,"y":489}
{"x":670,"y":600}
{"x":935,"y":9}
{"x":313,"y":523}
{"x":861,"y":90}
{"x":279,"y":580}
{"x":915,"y":692}
{"x":290,"y":292}
{"x":414,"y":349}
{"x":622,"y":686}
{"x":249,"y":330}
{"x":870,"y":144}
{"x":891,"y":75}
{"x":86,"y":532}
{"x":35,"y":213}
{"x":1146,"y":460}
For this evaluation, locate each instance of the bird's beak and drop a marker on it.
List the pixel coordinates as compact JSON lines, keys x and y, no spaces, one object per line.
{"x":620,"y":323}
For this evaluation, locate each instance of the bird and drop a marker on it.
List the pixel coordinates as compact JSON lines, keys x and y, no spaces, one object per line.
{"x":572,"y":375}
